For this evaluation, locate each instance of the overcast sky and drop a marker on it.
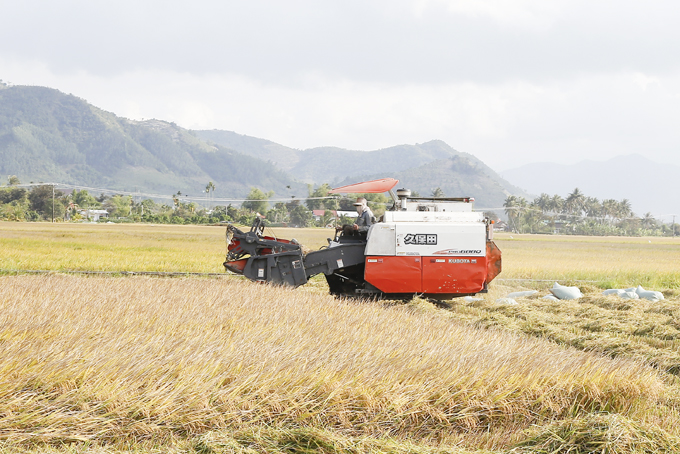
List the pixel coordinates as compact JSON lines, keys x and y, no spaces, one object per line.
{"x":511,"y":82}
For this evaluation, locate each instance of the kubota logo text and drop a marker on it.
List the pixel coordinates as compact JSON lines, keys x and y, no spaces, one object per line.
{"x":459,"y":252}
{"x":420,"y":238}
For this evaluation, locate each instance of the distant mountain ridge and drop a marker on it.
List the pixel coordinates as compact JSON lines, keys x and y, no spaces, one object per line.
{"x":265,"y":150}
{"x":46,"y":135}
{"x":459,"y":175}
{"x":420,"y":167}
{"x":331,"y":164}
{"x":648,"y":185}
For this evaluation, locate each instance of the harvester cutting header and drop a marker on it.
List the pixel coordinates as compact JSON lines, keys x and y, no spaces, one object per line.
{"x":433,"y":246}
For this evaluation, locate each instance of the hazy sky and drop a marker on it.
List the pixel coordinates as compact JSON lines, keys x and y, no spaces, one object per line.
{"x":511,"y":82}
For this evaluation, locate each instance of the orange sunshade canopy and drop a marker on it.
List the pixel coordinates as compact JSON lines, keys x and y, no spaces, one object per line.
{"x":374,"y":186}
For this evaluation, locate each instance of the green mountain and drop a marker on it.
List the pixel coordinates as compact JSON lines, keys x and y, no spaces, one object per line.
{"x":335,"y":164}
{"x":46,"y":135}
{"x":331,"y":164}
{"x":284,"y":157}
{"x":459,"y":175}
{"x":421,"y":167}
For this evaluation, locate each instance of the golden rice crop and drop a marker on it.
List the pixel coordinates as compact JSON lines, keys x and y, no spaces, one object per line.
{"x":606,"y":261}
{"x":599,"y":433}
{"x":106,"y":360}
{"x":647,"y":331}
{"x":609,"y":262}
{"x":125,"y":247}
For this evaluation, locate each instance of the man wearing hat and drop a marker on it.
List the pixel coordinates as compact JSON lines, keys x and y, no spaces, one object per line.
{"x":366,"y":218}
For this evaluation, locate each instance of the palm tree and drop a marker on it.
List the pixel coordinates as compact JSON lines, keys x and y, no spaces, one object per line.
{"x":514,"y":206}
{"x":555,"y":205}
{"x":438,"y":192}
{"x":648,"y":221}
{"x":575,"y":202}
{"x":210,"y":187}
{"x":625,"y":214}
{"x":624,"y":209}
{"x":592,"y":207}
{"x":543,"y":202}
{"x":510,"y":205}
{"x":609,"y":209}
{"x":533,"y":217}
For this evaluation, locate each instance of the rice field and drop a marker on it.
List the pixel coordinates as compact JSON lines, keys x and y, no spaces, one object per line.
{"x":151,"y":361}
{"x":607,"y":262}
{"x":123,"y":247}
{"x":223,"y":365}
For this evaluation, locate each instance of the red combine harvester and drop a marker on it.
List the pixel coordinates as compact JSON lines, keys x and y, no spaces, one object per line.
{"x":437,"y":247}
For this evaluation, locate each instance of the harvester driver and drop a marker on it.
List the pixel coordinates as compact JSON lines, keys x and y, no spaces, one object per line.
{"x":365,"y":218}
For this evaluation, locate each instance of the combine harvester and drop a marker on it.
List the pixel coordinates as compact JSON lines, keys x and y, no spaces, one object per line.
{"x":435,"y":247}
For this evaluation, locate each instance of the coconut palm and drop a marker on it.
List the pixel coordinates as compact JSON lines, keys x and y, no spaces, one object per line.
{"x":575,"y":202}
{"x":555,"y":206}
{"x":627,"y":220}
{"x":624,"y":209}
{"x":514,"y":207}
{"x":609,"y":210}
{"x":592,"y":207}
{"x":438,"y":192}
{"x":648,"y":221}
{"x":210,"y":187}
{"x":533,"y":217}
{"x":543,"y":202}
{"x":510,"y":205}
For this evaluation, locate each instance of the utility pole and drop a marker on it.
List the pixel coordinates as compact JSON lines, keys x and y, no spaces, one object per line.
{"x":673,"y":226}
{"x":52,"y":203}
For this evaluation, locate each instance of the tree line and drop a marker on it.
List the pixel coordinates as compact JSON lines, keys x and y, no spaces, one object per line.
{"x":46,"y":203}
{"x":579,"y":214}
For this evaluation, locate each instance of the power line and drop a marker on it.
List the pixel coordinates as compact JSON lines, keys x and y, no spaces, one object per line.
{"x":292,"y":198}
{"x":577,"y":216}
{"x":165,"y":197}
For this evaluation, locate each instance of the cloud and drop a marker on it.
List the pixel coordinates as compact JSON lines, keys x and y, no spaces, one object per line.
{"x":393,"y":42}
{"x":504,"y":124}
{"x":536,"y":15}
{"x":509,"y":81}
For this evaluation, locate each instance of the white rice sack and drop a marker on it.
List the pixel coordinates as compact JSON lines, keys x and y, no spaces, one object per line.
{"x":629,"y":296}
{"x":508,"y":301}
{"x":652,"y":296}
{"x":522,"y":294}
{"x":470,"y":299}
{"x":566,"y":293}
{"x":613,"y":291}
{"x":648,"y":294}
{"x":550,"y":298}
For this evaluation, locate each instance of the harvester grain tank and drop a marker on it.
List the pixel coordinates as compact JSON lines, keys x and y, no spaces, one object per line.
{"x":437,"y":247}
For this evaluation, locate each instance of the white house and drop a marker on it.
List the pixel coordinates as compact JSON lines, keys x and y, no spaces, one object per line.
{"x":94,"y":215}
